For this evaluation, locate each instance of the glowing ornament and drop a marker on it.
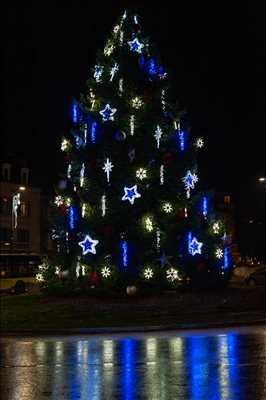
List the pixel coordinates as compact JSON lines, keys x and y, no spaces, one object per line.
{"x":158,"y":239}
{"x":216,"y":228}
{"x":189,"y":181}
{"x":68,"y":201}
{"x":161,"y":174}
{"x":116,"y":29}
{"x":109,"y":48}
{"x":83,"y":210}
{"x":148,"y":273}
{"x":98,"y":71}
{"x":199,"y":143}
{"x":82,"y":173}
{"x":108,"y":166}
{"x":135,"y":45}
{"x":79,"y":141}
{"x":167,"y":207}
{"x":75,"y":111}
{"x":88,"y":245}
{"x":92,"y":99}
{"x":181,"y":136}
{"x":141,"y":173}
{"x":195,"y":247}
{"x":148,"y":224}
{"x":185,"y":212}
{"x":132,"y":124}
{"x":65,"y":144}
{"x":39,"y":277}
{"x":85,"y":133}
{"x":130,"y":194}
{"x":108,"y":113}
{"x":59,"y":201}
{"x":103,"y":203}
{"x":113,"y":71}
{"x":69,"y":169}
{"x":176,"y":126}
{"x":120,"y":90}
{"x":106,"y":272}
{"x":205,"y":206}
{"x":158,"y":135}
{"x":121,"y":38}
{"x":57,"y":270}
{"x":137,"y":103}
{"x":172,"y":275}
{"x":163,"y":102}
{"x":124,"y":16}
{"x":219,"y":253}
{"x":136,"y":19}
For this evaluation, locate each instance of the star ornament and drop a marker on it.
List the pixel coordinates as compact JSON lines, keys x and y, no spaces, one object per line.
{"x":148,"y":273}
{"x":131,"y":193}
{"x":106,"y":272}
{"x":88,"y":245}
{"x":108,"y":113}
{"x":158,"y":135}
{"x":190,"y":180}
{"x":195,"y":247}
{"x":135,"y":45}
{"x":219,"y":253}
{"x":172,"y":275}
{"x":108,"y":166}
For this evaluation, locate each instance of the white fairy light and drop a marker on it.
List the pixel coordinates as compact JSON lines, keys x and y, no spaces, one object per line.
{"x":92,"y":98}
{"x":116,"y":29}
{"x":148,"y":224}
{"x":108,"y":166}
{"x":106,"y":272}
{"x":158,"y":239}
{"x":109,"y":48}
{"x":167,"y":207}
{"x":98,"y":71}
{"x":175,"y":124}
{"x":69,"y":168}
{"x":39,"y":277}
{"x":141,"y":173}
{"x":199,"y":142}
{"x":136,"y":19}
{"x":68,"y":201}
{"x":161,"y":174}
{"x":103,"y":203}
{"x":132,"y":124}
{"x":216,"y":228}
{"x":57,"y":270}
{"x":82,"y":172}
{"x":137,"y":103}
{"x":163,"y":99}
{"x":148,"y":273}
{"x":114,"y":69}
{"x":121,"y":38}
{"x":85,"y":133}
{"x":158,"y":135}
{"x":65,"y":144}
{"x":59,"y":201}
{"x":185,"y":212}
{"x":219,"y":253}
{"x":172,"y":275}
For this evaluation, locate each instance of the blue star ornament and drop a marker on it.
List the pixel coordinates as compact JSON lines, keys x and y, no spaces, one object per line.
{"x":195,"y":247}
{"x":131,"y":193}
{"x":108,"y":113}
{"x":190,"y":180}
{"x":135,"y":45}
{"x":88,"y":245}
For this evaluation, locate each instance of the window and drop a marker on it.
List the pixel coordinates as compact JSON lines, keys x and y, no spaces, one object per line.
{"x":23,"y":236}
{"x":5,"y":235}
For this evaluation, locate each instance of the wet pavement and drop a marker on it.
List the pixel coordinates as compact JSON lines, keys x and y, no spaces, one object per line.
{"x":198,"y":365}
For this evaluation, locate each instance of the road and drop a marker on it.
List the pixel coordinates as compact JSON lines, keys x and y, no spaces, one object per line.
{"x":226,"y":364}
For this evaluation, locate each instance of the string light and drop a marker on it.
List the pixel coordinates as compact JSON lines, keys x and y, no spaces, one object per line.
{"x":132,"y":124}
{"x":158,"y":135}
{"x":103,"y":202}
{"x":141,"y":173}
{"x":161,"y":174}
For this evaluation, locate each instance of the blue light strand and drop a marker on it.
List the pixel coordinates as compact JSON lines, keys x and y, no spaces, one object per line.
{"x":181,"y":135}
{"x":75,"y":112}
{"x":124,"y":253}
{"x":71,"y":214}
{"x":226,"y":258}
{"x":93,"y":132}
{"x":205,"y":206}
{"x":189,"y":241}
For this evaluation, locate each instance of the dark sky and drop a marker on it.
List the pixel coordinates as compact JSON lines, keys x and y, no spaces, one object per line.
{"x":216,"y":55}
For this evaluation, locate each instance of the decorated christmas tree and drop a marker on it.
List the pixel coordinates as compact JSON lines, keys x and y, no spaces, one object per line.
{"x":130,"y":209}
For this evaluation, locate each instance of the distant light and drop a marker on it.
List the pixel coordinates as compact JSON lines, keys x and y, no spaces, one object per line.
{"x":22,"y":188}
{"x":7,"y":244}
{"x":262,"y":179}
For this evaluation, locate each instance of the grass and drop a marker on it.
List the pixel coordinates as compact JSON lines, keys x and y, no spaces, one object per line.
{"x":35,"y":312}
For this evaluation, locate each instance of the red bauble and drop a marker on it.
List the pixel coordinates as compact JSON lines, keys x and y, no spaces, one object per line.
{"x":94,"y":279}
{"x":168,"y":158}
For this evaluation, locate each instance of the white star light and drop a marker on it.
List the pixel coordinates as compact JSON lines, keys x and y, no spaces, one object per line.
{"x":39,"y":277}
{"x":107,"y":113}
{"x":168,"y":208}
{"x":199,"y":143}
{"x":59,"y":201}
{"x":116,"y":29}
{"x":113,"y":71}
{"x":189,"y":181}
{"x":216,"y":227}
{"x":141,"y":173}
{"x":148,"y":273}
{"x":108,"y":166}
{"x":106,"y":272}
{"x":88,"y":245}
{"x":137,"y":103}
{"x":195,"y":247}
{"x":172,"y":275}
{"x":98,"y":71}
{"x":65,"y":144}
{"x":219,"y":253}
{"x":135,"y":45}
{"x":131,"y":193}
{"x":158,"y":135}
{"x":148,"y":224}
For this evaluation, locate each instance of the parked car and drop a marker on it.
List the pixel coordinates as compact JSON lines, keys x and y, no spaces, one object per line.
{"x":257,"y":277}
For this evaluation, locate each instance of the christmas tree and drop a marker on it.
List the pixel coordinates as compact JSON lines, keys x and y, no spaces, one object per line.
{"x":130,"y":209}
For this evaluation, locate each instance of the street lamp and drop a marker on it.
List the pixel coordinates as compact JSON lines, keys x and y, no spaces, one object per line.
{"x":262,"y":179}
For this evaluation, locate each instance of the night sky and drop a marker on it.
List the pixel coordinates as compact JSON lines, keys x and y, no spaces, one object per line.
{"x":215,"y":54}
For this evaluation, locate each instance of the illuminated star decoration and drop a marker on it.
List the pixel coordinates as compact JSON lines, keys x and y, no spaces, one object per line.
{"x":216,"y":227}
{"x":131,"y":193}
{"x":158,"y":135}
{"x":168,"y":208}
{"x":59,"y":201}
{"x":106,"y":272}
{"x":148,"y":273}
{"x":141,"y":173}
{"x":113,"y":71}
{"x":88,"y":245}
{"x":135,"y":45}
{"x":65,"y":144}
{"x":219,"y":253}
{"x":199,"y":143}
{"x":189,"y":181}
{"x":172,"y":274}
{"x":137,"y":103}
{"x":39,"y":277}
{"x":108,"y":113}
{"x":108,"y":166}
{"x":148,"y":224}
{"x":195,"y":247}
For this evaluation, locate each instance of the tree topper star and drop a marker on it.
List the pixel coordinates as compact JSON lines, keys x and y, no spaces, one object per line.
{"x":88,"y":245}
{"x":131,"y":193}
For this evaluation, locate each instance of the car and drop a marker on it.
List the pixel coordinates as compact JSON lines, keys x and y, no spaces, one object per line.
{"x":257,"y":277}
